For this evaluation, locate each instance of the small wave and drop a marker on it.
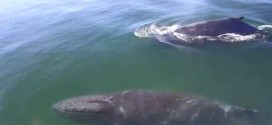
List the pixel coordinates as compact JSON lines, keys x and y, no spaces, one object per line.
{"x":266,"y":28}
{"x":11,"y":47}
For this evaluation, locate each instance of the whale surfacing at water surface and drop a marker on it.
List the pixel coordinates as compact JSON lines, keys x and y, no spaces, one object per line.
{"x":225,"y":30}
{"x":145,"y":107}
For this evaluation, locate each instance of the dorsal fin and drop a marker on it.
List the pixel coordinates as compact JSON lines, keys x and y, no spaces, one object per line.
{"x":241,"y":18}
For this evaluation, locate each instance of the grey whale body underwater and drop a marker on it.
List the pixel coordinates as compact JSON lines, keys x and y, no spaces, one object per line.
{"x":212,"y":31}
{"x":147,"y":107}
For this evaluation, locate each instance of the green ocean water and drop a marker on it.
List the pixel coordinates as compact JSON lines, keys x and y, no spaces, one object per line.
{"x":50,"y":51}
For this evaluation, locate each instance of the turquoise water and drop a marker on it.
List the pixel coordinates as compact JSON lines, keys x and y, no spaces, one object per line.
{"x":54,"y":50}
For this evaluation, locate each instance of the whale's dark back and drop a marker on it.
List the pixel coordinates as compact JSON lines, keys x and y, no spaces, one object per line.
{"x":218,"y":27}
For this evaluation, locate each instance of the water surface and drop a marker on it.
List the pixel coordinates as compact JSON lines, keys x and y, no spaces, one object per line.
{"x":53,"y":50}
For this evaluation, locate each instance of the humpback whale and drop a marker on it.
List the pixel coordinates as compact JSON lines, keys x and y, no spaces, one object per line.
{"x":147,"y":107}
{"x":224,"y":30}
{"x":218,"y":27}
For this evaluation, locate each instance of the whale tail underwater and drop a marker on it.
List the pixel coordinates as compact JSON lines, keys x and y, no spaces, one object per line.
{"x":146,"y":107}
{"x":225,"y":30}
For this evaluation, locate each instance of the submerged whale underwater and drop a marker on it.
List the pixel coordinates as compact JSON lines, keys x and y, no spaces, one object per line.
{"x":225,"y":30}
{"x":146,"y":107}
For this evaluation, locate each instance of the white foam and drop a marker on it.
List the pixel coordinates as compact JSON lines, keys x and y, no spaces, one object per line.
{"x":195,"y":115}
{"x":228,"y":37}
{"x":152,"y":30}
{"x":232,"y":37}
{"x":125,"y":92}
{"x":122,"y":110}
{"x":191,"y":102}
{"x":226,"y":108}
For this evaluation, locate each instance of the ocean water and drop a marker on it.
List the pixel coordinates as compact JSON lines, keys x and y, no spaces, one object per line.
{"x":52,"y":50}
